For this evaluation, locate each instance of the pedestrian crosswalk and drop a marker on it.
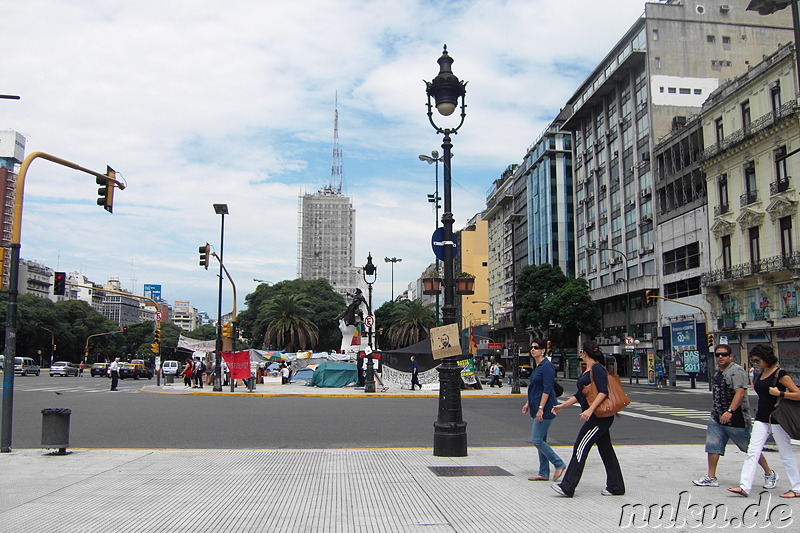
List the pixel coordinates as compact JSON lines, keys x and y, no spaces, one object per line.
{"x":75,"y":389}
{"x":680,"y":412}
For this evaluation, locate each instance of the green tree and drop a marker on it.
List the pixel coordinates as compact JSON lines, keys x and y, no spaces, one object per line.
{"x":203,"y":333}
{"x":323,"y":303}
{"x":411,"y":321}
{"x":547,"y":301}
{"x":289,"y":327}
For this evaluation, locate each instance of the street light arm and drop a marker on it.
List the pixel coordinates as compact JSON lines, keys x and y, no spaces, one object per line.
{"x":233,"y":285}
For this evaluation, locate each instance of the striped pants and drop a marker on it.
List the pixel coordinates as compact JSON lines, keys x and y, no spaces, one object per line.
{"x":594,"y":431}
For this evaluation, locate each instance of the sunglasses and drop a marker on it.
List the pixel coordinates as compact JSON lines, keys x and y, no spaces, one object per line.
{"x":722,"y":354}
{"x":536,"y":347}
{"x":755,"y":361}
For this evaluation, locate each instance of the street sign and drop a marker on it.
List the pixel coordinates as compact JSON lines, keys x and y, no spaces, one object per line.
{"x":158,"y":316}
{"x":438,"y":244}
{"x":629,"y":341}
{"x":494,"y":346}
{"x":369,"y":321}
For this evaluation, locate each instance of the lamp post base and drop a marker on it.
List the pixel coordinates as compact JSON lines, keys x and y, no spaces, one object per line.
{"x":369,"y":379}
{"x":450,"y":431}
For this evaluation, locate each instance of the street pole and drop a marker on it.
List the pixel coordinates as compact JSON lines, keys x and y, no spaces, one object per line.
{"x":222,"y":210}
{"x":13,"y":290}
{"x":435,"y":199}
{"x":370,"y":271}
{"x":392,"y":260}
{"x":450,"y":430}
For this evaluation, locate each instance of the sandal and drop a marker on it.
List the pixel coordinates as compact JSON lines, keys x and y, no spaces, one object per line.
{"x":557,"y":474}
{"x":538,"y":478}
{"x":790,"y":494}
{"x":738,"y":490}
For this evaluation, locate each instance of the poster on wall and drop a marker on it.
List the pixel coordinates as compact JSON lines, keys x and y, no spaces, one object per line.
{"x":683,"y":338}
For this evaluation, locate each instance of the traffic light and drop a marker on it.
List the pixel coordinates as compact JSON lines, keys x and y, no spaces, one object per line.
{"x":155,"y":348}
{"x":549,"y":346}
{"x":205,"y":255}
{"x":106,"y":192}
{"x":59,"y":283}
{"x":124,"y":330}
{"x":226,"y":330}
{"x":647,"y":297}
{"x":157,"y":336}
{"x":710,"y":340}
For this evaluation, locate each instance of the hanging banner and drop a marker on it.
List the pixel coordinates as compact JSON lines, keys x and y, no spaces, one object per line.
{"x":445,"y":342}
{"x":238,"y":364}
{"x":468,"y":371}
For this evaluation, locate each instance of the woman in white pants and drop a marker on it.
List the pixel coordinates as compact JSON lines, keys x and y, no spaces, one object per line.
{"x":763,"y":357}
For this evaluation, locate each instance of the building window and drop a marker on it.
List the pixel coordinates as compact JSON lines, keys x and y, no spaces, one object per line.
{"x":683,"y":288}
{"x":719,"y":129}
{"x":750,"y":179}
{"x":775,"y":96}
{"x":681,"y":259}
{"x":710,"y":38}
{"x":698,"y":91}
{"x":780,"y":166}
{"x":672,"y":90}
{"x":726,"y":252}
{"x":655,"y":35}
{"x":745,"y":107}
{"x":786,"y":236}
{"x":722,"y":186}
{"x":726,"y":40}
{"x":755,"y":251}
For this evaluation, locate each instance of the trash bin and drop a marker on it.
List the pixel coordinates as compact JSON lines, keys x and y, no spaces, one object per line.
{"x":55,"y":429}
{"x":170,"y":378}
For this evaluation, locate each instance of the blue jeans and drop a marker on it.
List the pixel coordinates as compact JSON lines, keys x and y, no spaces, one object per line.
{"x":546,"y":453}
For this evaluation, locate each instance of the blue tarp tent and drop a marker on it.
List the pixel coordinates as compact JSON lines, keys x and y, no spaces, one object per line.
{"x":334,"y":375}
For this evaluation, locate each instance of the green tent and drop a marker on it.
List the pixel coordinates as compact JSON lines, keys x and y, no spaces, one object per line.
{"x":334,"y":375}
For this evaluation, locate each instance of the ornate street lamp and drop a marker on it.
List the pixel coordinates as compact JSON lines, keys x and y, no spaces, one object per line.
{"x":450,"y":431}
{"x":370,"y":274}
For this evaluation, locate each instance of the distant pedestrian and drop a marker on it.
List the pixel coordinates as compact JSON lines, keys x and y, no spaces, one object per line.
{"x":494,"y":375}
{"x":730,"y":418}
{"x":284,"y":374}
{"x":763,"y":357}
{"x":114,"y":369}
{"x":414,"y":373}
{"x":660,"y":375}
{"x":541,"y":399}
{"x":197,"y":372}
{"x":81,"y":366}
{"x":594,"y":429}
{"x":188,"y":367}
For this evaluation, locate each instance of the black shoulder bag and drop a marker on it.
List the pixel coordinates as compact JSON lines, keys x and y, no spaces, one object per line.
{"x":786,"y":413}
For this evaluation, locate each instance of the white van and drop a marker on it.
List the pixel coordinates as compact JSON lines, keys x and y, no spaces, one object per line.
{"x":171,"y":368}
{"x":25,"y":365}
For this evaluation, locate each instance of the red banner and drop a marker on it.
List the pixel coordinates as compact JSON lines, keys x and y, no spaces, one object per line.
{"x":238,"y":364}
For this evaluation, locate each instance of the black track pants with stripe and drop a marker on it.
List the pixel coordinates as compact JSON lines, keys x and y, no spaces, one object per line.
{"x":594,"y":431}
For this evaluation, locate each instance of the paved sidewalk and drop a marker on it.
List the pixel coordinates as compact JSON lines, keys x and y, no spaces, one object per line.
{"x":372,"y":490}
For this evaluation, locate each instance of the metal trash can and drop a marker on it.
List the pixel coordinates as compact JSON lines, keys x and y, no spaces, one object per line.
{"x":170,"y":378}
{"x":55,"y":429}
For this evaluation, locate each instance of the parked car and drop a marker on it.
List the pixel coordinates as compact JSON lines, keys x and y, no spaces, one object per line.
{"x":525,"y":371}
{"x":25,"y":365}
{"x":135,"y":371}
{"x":171,"y":368}
{"x":63,"y":368}
{"x":99,"y":369}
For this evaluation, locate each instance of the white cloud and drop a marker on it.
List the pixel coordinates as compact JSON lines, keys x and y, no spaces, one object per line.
{"x":198,"y":103}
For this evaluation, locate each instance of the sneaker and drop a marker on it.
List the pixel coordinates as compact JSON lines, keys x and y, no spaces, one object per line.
{"x":770,"y":480}
{"x":706,"y":481}
{"x":606,"y":492}
{"x":556,"y":487}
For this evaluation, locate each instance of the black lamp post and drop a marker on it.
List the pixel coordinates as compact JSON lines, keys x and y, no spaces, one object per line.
{"x":450,"y":430}
{"x":222,"y":210}
{"x":371,"y":272}
{"x":393,"y":261}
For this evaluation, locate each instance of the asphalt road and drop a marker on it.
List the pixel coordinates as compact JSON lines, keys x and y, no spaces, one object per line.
{"x":133,"y":418}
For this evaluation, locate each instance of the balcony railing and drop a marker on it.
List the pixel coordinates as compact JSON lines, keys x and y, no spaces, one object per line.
{"x":721,"y":209}
{"x":748,"y":198}
{"x":777,"y":187}
{"x":752,"y":129}
{"x":745,"y":270}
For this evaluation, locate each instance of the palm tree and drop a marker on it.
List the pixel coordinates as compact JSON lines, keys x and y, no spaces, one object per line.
{"x":411,"y":322}
{"x":289,"y":326}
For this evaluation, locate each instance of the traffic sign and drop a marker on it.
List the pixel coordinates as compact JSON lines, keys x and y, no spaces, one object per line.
{"x":494,"y":346}
{"x":437,"y":242}
{"x":158,"y":316}
{"x":369,"y":321}
{"x":629,"y":341}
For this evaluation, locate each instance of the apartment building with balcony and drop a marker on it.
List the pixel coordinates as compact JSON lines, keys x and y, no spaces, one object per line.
{"x":660,"y":72}
{"x":750,"y":126}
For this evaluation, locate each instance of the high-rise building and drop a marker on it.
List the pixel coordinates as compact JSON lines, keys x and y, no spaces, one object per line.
{"x":326,"y":240}
{"x":658,"y":74}
{"x":12,"y":152}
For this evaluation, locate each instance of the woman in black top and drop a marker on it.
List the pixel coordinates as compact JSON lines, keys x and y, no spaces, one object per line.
{"x":771,"y":384}
{"x":594,"y":430}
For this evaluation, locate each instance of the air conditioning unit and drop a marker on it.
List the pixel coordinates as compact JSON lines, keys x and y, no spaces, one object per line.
{"x":648,"y":336}
{"x":645,"y":192}
{"x":724,"y":8}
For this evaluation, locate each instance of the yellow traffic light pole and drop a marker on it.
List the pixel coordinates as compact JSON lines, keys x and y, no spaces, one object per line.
{"x":13,"y":280}
{"x":709,"y":363}
{"x":86,"y":346}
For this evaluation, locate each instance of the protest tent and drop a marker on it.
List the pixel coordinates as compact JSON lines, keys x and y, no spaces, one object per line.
{"x":329,"y":374}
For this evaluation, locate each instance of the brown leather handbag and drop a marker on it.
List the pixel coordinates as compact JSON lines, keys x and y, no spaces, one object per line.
{"x":612,"y":404}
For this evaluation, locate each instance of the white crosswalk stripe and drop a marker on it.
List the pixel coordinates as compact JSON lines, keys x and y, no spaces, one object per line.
{"x":666,"y":410}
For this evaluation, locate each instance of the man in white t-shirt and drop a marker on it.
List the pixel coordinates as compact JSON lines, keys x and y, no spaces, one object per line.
{"x":114,"y":369}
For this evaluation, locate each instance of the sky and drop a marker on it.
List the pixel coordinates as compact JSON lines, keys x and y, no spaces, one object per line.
{"x":195,"y":102}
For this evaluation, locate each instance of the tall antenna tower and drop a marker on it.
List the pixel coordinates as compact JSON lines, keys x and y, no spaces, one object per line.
{"x":336,"y":169}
